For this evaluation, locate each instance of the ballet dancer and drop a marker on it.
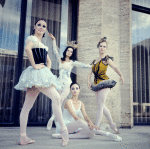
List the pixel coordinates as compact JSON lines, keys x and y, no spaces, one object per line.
{"x":65,"y":67}
{"x":38,"y":78}
{"x":102,"y":83}
{"x":77,"y":121}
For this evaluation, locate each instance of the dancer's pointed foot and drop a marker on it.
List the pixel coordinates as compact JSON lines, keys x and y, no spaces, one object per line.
{"x":114,"y":127}
{"x":24,"y":140}
{"x":49,"y":124}
{"x":57,"y":136}
{"x":65,"y":138}
{"x":114,"y":137}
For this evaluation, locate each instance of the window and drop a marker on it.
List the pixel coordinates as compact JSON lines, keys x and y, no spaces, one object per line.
{"x":141,"y":61}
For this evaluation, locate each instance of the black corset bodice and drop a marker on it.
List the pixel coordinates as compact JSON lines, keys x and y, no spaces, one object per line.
{"x":40,"y":55}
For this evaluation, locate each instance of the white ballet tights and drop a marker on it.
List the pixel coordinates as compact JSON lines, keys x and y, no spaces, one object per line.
{"x":30,"y":98}
{"x":63,"y":95}
{"x":100,"y":98}
{"x":86,"y":132}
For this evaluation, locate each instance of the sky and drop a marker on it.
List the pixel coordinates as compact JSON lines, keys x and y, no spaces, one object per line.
{"x":9,"y":24}
{"x":140,"y":23}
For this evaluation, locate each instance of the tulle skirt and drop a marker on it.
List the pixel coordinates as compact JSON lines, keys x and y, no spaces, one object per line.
{"x":38,"y":78}
{"x":103,"y":84}
{"x":65,"y":82}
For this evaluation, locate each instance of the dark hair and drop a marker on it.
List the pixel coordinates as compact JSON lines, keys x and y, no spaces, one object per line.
{"x":72,"y":56}
{"x":33,"y":31}
{"x":73,"y":84}
{"x":102,"y":40}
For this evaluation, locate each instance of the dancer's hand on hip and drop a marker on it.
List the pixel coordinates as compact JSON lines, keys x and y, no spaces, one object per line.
{"x":39,"y":66}
{"x":89,"y":85}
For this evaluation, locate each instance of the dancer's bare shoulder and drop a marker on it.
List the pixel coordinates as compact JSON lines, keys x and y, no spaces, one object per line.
{"x":82,"y":104}
{"x":67,"y":104}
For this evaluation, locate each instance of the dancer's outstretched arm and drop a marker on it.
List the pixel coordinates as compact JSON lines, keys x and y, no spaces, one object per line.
{"x":113,"y":66}
{"x":82,"y":65}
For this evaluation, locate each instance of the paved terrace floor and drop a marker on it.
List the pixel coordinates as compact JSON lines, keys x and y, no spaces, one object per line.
{"x":136,"y":138}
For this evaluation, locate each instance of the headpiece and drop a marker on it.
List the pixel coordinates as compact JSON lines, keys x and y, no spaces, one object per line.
{"x":103,"y":39}
{"x":72,"y":44}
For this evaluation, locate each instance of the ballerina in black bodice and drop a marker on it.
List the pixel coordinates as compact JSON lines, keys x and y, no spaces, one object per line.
{"x":38,"y":78}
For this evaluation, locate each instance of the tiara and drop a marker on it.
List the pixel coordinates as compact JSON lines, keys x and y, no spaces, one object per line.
{"x":72,"y":44}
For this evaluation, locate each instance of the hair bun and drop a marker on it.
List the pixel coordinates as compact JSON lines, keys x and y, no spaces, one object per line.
{"x":103,"y":39}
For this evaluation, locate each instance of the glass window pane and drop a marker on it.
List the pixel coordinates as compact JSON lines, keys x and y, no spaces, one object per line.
{"x":50,"y":10}
{"x":9,"y":32}
{"x":144,"y":3}
{"x":141,"y":65}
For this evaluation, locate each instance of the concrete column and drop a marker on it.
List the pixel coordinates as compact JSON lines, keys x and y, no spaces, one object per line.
{"x":89,"y":32}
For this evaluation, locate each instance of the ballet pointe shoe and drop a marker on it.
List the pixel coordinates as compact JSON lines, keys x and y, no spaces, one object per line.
{"x":114,"y":127}
{"x":64,"y":135}
{"x":24,"y":140}
{"x":114,"y":137}
{"x":56,"y":136}
{"x":50,"y":123}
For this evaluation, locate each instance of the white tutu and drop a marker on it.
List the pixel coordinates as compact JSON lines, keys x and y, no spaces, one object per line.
{"x":38,"y":78}
{"x":65,"y":82}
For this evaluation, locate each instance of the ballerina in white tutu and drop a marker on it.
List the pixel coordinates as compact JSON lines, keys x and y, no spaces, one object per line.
{"x":66,"y":64}
{"x":73,"y":114}
{"x":38,"y":78}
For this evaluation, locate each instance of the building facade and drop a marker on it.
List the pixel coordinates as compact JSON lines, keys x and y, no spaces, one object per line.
{"x":86,"y":22}
{"x":111,"y":19}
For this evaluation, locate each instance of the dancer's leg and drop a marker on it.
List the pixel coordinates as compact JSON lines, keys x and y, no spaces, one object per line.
{"x":55,"y":97}
{"x":100,"y":97}
{"x":86,"y":132}
{"x":107,"y":114}
{"x":30,"y":98}
{"x":72,"y":127}
{"x":79,"y":135}
{"x":63,"y":95}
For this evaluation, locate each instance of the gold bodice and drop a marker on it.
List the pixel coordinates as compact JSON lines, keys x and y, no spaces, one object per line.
{"x":99,"y":69}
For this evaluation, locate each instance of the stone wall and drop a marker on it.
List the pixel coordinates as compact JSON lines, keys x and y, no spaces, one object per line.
{"x":126,"y":63}
{"x":112,"y":20}
{"x":89,"y":32}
